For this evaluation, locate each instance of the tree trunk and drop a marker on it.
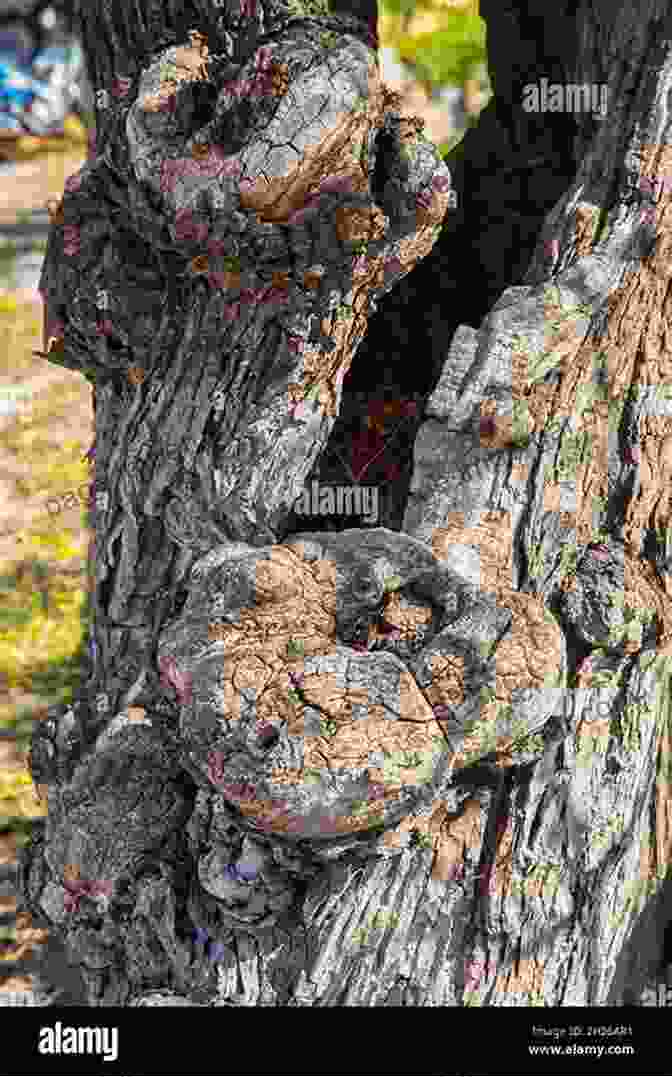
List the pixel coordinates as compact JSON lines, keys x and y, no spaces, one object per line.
{"x":225,"y":777}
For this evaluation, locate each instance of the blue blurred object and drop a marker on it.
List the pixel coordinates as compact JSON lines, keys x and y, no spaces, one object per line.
{"x":17,"y":44}
{"x":41,"y":73}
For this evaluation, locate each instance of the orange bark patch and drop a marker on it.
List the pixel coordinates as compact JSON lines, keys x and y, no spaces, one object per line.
{"x":530,"y":655}
{"x":531,"y":650}
{"x":55,"y":210}
{"x":296,"y":602}
{"x":450,"y":837}
{"x":526,"y":977}
{"x":456,"y":836}
{"x":585,"y":223}
{"x":136,"y":375}
{"x":447,"y":685}
{"x":200,"y":264}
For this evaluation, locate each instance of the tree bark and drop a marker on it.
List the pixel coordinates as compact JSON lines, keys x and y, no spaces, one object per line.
{"x":509,"y":622}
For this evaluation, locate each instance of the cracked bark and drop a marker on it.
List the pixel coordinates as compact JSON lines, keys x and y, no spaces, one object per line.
{"x":526,"y":858}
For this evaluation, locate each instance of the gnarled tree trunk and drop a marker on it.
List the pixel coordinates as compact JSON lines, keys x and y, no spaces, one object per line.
{"x":425,"y":763}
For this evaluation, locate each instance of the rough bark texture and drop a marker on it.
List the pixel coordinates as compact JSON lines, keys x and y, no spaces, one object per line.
{"x":426,"y":763}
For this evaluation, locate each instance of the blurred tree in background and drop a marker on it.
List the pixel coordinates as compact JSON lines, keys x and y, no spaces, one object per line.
{"x":442,"y":43}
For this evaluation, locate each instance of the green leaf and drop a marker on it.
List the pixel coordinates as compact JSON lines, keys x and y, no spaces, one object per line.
{"x":308,"y":7}
{"x":15,"y":618}
{"x":405,"y":8}
{"x":447,"y":56}
{"x":602,"y":229}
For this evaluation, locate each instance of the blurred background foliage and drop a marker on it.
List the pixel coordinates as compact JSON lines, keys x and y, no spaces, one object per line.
{"x":442,"y":45}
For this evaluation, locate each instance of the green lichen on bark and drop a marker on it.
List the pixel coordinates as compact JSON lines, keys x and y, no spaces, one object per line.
{"x":629,"y":725}
{"x":380,"y":921}
{"x":308,"y":8}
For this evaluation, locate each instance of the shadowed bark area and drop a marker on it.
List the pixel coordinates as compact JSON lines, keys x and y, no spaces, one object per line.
{"x":424,"y":763}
